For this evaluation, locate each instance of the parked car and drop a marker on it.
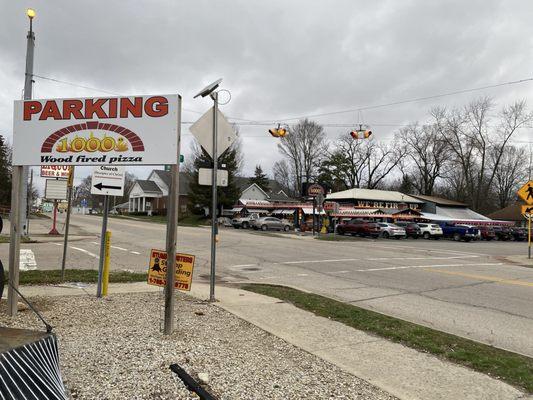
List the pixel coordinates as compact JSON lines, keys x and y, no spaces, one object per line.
{"x":391,"y":230}
{"x":430,"y":230}
{"x":271,"y":223}
{"x":244,"y":222}
{"x":458,"y":232}
{"x":359,"y":227}
{"x":224,"y":221}
{"x":502,"y":233}
{"x":487,"y":232}
{"x":518,"y":234}
{"x":411,"y":229}
{"x":478,"y":232}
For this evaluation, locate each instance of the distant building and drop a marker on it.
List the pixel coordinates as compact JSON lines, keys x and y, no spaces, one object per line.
{"x":151,"y":194}
{"x":512,"y":213}
{"x":439,"y":209}
{"x":373,"y":198}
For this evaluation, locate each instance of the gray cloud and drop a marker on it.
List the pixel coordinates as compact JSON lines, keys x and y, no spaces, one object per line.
{"x":278,"y":58}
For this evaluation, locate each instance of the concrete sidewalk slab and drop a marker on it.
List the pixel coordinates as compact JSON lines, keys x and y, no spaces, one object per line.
{"x":399,"y":370}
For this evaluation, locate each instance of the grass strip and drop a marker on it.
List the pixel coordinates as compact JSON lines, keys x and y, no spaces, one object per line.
{"x":23,"y":239}
{"x":512,"y":368}
{"x":50,"y":277}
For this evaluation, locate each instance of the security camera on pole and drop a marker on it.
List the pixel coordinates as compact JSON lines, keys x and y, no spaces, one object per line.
{"x":214,"y":142}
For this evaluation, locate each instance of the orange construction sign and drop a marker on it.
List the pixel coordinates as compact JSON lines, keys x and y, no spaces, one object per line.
{"x":158,"y":269}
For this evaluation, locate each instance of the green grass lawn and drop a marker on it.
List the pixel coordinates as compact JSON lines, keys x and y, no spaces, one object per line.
{"x":23,"y":239}
{"x":190,"y":220}
{"x":510,"y":367}
{"x":43,"y":277}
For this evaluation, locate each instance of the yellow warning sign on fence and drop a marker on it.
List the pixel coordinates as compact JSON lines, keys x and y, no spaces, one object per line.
{"x":158,"y":269}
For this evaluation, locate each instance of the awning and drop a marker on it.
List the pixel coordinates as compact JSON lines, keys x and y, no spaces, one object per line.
{"x":236,"y":209}
{"x":310,"y":211}
{"x":288,"y":212}
{"x":253,"y":210}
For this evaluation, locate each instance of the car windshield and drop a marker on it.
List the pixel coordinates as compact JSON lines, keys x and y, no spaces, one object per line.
{"x":383,"y":225}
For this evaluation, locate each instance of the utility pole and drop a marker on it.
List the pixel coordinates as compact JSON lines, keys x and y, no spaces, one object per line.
{"x":19,"y":187}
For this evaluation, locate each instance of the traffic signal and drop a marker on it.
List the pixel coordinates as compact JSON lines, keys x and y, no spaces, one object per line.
{"x":278,"y":132}
{"x":360,"y":134}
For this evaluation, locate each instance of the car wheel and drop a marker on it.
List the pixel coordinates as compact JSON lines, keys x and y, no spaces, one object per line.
{"x":456,"y":237}
{"x":426,"y":235}
{"x":386,"y":235}
{"x":264,"y":227}
{"x":286,"y":228}
{"x":245,"y":225}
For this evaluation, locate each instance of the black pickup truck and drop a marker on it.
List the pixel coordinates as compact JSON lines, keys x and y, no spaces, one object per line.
{"x":458,"y":232}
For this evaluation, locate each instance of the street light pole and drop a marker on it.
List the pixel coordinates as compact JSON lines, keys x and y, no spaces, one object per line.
{"x":28,"y":87}
{"x":214,"y":96}
{"x":19,"y":190}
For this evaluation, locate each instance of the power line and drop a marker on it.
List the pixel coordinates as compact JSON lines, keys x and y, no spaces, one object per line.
{"x":417,"y":99}
{"x":361,"y":108}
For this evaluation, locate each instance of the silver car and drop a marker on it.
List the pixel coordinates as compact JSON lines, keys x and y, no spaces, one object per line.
{"x":391,"y":230}
{"x":271,"y":223}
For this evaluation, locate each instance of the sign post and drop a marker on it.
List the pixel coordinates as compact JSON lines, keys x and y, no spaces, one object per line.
{"x":70,"y":182}
{"x":215,"y":139}
{"x":172,"y":231}
{"x":526,"y":194}
{"x":314,"y":190}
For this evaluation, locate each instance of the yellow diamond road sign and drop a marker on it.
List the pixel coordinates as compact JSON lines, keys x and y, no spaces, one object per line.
{"x":526,"y":193}
{"x":527,"y":211}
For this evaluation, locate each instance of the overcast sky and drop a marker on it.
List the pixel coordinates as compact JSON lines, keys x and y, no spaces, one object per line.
{"x":279,"y":59}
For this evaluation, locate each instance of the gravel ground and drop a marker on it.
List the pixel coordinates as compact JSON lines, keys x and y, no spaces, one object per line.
{"x":113,"y":349}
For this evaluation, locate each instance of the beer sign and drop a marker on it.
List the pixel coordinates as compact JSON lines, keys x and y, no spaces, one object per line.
{"x":55,"y":171}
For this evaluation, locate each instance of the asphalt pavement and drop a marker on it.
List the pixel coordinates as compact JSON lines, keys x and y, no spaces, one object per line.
{"x":477,"y":290}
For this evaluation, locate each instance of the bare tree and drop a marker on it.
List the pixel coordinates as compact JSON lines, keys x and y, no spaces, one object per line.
{"x":304,"y":147}
{"x":510,"y":174}
{"x":381,"y":160}
{"x":474,"y":142}
{"x":283,"y":175}
{"x":427,"y":153}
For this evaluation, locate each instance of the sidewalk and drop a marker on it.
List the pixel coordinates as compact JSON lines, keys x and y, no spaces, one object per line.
{"x":401,"y":371}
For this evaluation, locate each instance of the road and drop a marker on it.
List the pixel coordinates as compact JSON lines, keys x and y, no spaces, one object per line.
{"x":473,"y":290}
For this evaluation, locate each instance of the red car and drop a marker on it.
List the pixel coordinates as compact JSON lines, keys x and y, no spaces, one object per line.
{"x":359,"y":227}
{"x":487,"y":232}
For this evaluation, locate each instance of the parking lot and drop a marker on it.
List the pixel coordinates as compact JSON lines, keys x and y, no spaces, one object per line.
{"x":480,"y":289}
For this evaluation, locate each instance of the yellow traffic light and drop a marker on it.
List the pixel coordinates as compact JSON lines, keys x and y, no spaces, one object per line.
{"x":278,"y":132}
{"x":354,"y":134}
{"x":366,"y":134}
{"x":30,"y":12}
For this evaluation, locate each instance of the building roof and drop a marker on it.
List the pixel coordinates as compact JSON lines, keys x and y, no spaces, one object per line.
{"x":165,"y":177}
{"x":439,"y":200}
{"x":148,"y":186}
{"x":512,"y":212}
{"x":373,"y":195}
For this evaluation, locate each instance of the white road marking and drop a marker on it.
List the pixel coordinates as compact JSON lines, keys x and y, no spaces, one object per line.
{"x":302,"y":275}
{"x":419,"y":258}
{"x":57,"y":244}
{"x":84,"y":251}
{"x":426,"y":249}
{"x":119,"y":248}
{"x":426,"y":266}
{"x":135,"y":252}
{"x":317,"y":261}
{"x":243,"y":265}
{"x":340,"y":272}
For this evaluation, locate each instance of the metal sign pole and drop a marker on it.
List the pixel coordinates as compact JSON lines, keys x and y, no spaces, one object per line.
{"x":214,"y":203}
{"x":314,"y":206}
{"x":67,"y":222}
{"x":102,"y":246}
{"x":14,"y":243}
{"x":529,"y":236}
{"x":172,"y":234}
